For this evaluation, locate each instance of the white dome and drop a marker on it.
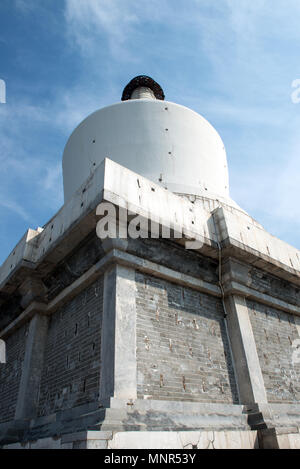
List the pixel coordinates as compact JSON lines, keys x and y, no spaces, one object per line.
{"x":162,"y":141}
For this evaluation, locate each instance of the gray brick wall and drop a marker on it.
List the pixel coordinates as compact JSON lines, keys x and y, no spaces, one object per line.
{"x":182,"y":348}
{"x":10,"y":373}
{"x":77,"y":263}
{"x":71,"y":369}
{"x":169,"y":254}
{"x":274,"y":333}
{"x":274,"y":286}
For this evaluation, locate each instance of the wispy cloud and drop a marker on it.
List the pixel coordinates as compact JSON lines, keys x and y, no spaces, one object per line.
{"x":38,"y":175}
{"x":89,"y":20}
{"x":25,"y":6}
{"x":16,"y":208}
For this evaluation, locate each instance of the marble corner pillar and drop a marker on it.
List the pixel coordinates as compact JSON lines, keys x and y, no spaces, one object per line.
{"x":246,"y":362}
{"x":28,"y":396}
{"x":33,"y":293}
{"x":118,"y":377}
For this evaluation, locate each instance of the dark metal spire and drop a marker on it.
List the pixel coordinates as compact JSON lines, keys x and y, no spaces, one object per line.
{"x":143,"y":81}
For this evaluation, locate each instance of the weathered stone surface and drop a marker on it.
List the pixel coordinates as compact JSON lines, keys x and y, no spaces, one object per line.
{"x":249,"y":376}
{"x":184,"y":440}
{"x":28,"y":396}
{"x":118,"y":371}
{"x":159,"y":440}
{"x":289,"y":441}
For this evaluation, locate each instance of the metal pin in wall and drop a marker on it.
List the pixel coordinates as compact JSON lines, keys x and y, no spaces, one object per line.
{"x":147,"y":343}
{"x":161,"y":381}
{"x":183,"y":383}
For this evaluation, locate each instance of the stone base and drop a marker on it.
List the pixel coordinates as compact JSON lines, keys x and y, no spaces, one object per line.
{"x":153,"y":424}
{"x":146,"y":440}
{"x":166,"y":440}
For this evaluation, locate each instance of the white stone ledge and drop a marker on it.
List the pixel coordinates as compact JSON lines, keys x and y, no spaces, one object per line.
{"x":45,"y":247}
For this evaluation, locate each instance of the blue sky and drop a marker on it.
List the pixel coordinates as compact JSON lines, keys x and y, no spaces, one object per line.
{"x":233,"y":61}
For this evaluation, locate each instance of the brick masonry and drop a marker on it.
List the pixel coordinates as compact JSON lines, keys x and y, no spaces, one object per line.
{"x":169,"y":254}
{"x":76,"y":264}
{"x":274,"y":286}
{"x":182,"y":347}
{"x":71,"y":369}
{"x":10,"y":309}
{"x":274,"y":333}
{"x":10,"y":373}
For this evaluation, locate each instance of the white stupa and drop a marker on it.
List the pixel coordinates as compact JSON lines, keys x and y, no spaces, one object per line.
{"x":149,"y":341}
{"x":165,"y":142}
